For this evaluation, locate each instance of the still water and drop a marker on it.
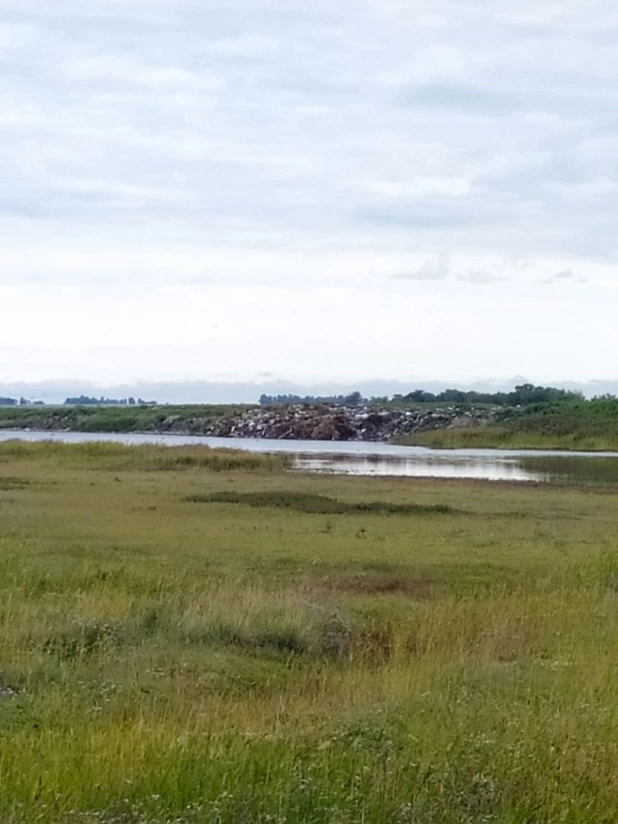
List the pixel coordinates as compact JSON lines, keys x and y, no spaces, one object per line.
{"x":355,"y":458}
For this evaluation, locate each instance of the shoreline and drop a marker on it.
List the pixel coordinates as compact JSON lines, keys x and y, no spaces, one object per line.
{"x":336,"y":448}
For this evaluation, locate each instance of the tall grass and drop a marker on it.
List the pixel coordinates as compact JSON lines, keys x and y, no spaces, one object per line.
{"x":501,"y":437}
{"x":168,"y":662}
{"x":143,"y":457}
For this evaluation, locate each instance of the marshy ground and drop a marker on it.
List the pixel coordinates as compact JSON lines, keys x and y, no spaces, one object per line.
{"x":193,"y":636}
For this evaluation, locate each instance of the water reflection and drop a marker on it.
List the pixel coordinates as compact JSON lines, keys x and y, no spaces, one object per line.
{"x":494,"y":468}
{"x":597,"y":471}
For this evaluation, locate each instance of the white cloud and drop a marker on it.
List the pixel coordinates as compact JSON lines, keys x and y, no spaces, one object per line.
{"x":478,"y":276}
{"x":432,"y":269}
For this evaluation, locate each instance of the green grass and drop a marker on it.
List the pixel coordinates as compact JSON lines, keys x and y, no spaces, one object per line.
{"x":502,"y":437}
{"x":570,"y":424}
{"x":252,"y":659}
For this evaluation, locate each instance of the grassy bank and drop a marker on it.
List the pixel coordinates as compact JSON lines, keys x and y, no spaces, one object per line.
{"x":108,"y":418}
{"x":571,"y":424}
{"x":501,"y":437}
{"x":190,"y":640}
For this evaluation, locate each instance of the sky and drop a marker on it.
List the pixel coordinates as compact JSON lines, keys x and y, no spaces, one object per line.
{"x":269,"y":191}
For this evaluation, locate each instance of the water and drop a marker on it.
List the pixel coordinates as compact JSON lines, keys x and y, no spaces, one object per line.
{"x":354,"y":458}
{"x":421,"y":466}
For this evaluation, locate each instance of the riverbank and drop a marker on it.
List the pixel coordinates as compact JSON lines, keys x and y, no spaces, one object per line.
{"x":193,"y":642}
{"x":497,"y":437}
{"x":586,"y":426}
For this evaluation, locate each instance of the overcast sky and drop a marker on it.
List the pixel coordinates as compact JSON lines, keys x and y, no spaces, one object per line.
{"x":254,"y":190}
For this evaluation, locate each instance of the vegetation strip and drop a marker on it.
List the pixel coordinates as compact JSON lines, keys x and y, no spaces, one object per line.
{"x":316,"y":504}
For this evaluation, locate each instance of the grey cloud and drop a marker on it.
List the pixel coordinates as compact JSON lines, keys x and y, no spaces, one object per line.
{"x":432,"y":269}
{"x":478,"y":276}
{"x":565,"y":276}
{"x":426,"y":213}
{"x":469,"y":100}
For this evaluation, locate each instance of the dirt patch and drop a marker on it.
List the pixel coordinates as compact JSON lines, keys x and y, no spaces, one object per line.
{"x":417,"y":588}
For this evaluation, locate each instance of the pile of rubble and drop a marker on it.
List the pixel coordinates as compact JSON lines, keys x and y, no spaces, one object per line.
{"x":323,"y":423}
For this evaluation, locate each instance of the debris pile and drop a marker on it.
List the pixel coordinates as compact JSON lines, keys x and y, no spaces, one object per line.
{"x":323,"y":423}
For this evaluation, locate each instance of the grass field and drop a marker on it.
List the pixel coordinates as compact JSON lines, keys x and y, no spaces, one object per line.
{"x":193,"y":636}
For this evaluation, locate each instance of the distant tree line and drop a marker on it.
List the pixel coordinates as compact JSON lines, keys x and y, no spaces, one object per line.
{"x":523,"y":395}
{"x":20,"y":402}
{"x":353,"y":399}
{"x":82,"y":400}
{"x":85,"y":400}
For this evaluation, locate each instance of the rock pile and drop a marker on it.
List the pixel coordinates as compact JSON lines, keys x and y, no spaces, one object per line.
{"x":323,"y":423}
